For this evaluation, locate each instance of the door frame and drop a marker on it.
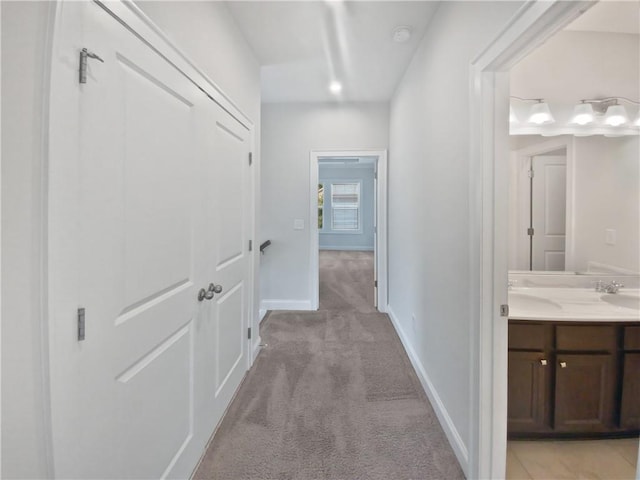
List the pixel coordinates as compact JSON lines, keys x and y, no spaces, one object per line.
{"x":520,"y":158}
{"x":381,"y":221}
{"x":532,"y":24}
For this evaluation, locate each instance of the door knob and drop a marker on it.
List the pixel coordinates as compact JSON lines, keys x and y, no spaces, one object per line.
{"x":213,"y":288}
{"x":563,"y":364}
{"x":204,"y":295}
{"x":543,"y":362}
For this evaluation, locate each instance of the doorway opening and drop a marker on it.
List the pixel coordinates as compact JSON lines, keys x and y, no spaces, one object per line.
{"x":347,"y":191}
{"x":533,"y":25}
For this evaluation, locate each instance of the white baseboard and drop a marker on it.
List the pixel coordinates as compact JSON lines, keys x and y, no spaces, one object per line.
{"x":458,"y":445}
{"x":285,"y":305}
{"x":339,"y":247}
{"x":256,"y":349}
{"x":261,"y":313}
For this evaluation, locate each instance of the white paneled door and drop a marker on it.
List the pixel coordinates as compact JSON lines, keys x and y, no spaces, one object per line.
{"x":148,"y":203}
{"x":548,"y":211}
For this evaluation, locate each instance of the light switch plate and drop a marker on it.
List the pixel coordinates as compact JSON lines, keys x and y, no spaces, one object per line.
{"x":610,"y":236}
{"x":298,"y":224}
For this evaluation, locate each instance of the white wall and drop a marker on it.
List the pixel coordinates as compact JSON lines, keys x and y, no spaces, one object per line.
{"x":24,"y":33}
{"x":207,"y":33}
{"x":607,"y":196}
{"x":572,"y":66}
{"x":429,"y":264}
{"x":289,"y":133}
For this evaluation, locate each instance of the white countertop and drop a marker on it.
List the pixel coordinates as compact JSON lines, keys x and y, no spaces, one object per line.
{"x":573,"y":304}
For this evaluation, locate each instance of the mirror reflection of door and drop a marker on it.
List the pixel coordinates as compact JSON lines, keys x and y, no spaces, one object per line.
{"x":547,"y":210}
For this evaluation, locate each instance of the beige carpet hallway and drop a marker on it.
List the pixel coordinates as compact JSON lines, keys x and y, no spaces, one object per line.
{"x":333,"y":396}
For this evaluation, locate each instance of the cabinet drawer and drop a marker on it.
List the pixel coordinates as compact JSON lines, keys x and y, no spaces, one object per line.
{"x":523,"y":336}
{"x":586,"y":337}
{"x":632,"y":338}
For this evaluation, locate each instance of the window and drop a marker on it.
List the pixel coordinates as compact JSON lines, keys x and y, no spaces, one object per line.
{"x":345,"y":206}
{"x":320,"y":206}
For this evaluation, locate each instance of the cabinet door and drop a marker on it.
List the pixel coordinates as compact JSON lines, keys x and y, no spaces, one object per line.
{"x":528,"y":392}
{"x":630,"y":408}
{"x":585,"y":390}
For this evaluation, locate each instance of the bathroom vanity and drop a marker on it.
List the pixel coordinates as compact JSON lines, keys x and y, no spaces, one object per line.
{"x":574,"y":363}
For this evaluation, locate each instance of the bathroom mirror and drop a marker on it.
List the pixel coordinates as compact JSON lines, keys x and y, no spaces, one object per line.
{"x":574,"y":204}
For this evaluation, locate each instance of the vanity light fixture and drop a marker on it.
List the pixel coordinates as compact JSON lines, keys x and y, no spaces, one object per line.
{"x":539,"y":113}
{"x":583,"y":114}
{"x":512,"y":115}
{"x":614,"y":113}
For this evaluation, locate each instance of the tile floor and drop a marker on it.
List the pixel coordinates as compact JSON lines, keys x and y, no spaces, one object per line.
{"x":572,"y":459}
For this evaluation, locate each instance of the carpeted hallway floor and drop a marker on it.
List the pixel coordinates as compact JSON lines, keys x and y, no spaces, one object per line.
{"x":333,"y":396}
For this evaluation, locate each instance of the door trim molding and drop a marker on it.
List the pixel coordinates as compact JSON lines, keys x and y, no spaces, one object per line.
{"x":381,"y":222}
{"x":532,"y":24}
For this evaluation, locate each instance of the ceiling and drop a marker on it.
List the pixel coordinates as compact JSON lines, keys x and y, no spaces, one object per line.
{"x":304,"y":45}
{"x":610,"y":16}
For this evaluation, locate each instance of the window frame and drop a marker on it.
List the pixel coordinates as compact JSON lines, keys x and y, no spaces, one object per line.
{"x":331,"y":229}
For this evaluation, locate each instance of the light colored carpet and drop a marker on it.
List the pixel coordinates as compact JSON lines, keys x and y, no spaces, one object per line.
{"x":332,"y":397}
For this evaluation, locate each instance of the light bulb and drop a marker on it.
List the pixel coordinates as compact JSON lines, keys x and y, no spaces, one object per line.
{"x":335,"y":87}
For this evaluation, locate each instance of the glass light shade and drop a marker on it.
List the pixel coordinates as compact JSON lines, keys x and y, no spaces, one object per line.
{"x":616,"y":115}
{"x":582,"y":114}
{"x":512,"y":115}
{"x":540,"y":114}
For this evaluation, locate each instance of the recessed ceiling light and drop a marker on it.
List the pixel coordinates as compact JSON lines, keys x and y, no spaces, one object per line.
{"x":335,"y":87}
{"x":401,"y":34}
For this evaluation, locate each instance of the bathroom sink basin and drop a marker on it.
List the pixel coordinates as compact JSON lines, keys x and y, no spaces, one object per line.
{"x":622,"y":300}
{"x":530,"y":302}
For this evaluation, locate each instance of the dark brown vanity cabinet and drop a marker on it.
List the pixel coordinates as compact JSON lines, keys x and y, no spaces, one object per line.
{"x":630,"y":401}
{"x":573,"y":379}
{"x":529,"y":378}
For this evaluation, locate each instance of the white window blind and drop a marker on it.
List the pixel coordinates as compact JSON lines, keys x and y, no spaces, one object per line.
{"x":345,"y":206}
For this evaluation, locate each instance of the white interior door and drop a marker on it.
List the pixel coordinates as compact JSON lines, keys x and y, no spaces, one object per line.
{"x":225,"y":259}
{"x":548,"y":212}
{"x":147,"y":204}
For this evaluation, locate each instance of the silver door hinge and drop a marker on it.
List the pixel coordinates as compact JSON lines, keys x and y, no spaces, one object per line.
{"x":504,"y":310}
{"x":530,"y":174}
{"x":530,"y":231}
{"x":84,"y":55}
{"x":375,"y":175}
{"x":375,"y":283}
{"x":81,"y":316}
{"x":250,"y":158}
{"x":249,"y":333}
{"x":250,"y":245}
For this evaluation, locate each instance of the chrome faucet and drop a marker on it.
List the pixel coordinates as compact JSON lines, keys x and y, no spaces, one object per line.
{"x":612,"y":287}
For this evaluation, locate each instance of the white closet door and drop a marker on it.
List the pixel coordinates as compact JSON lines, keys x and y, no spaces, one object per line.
{"x":144,"y":210}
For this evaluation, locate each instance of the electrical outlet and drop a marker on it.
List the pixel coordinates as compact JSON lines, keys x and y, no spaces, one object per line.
{"x":298,"y":224}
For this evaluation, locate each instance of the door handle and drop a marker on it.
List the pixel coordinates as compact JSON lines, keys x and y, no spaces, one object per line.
{"x":204,"y":295}
{"x":213,"y":288}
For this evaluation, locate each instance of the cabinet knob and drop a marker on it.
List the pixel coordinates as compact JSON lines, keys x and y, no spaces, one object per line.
{"x":543,"y":362}
{"x":563,"y":364}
